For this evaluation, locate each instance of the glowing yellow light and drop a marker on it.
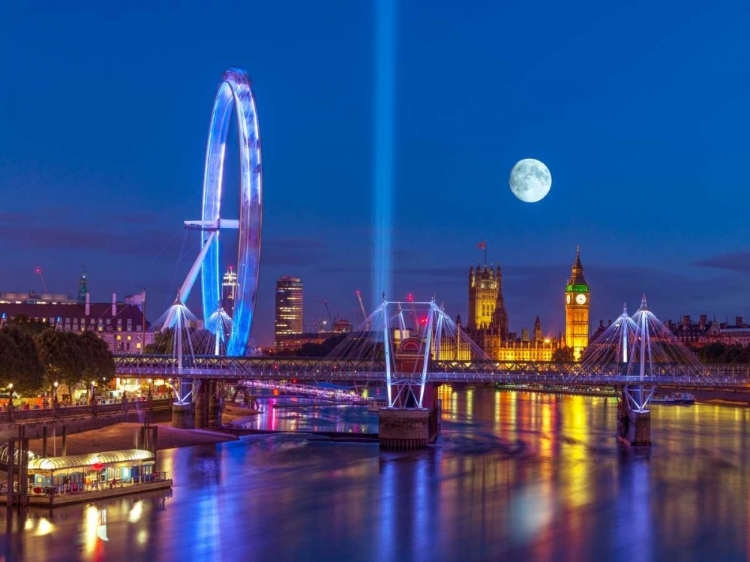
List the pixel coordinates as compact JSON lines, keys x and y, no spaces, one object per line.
{"x":44,"y":527}
{"x":136,"y":512}
{"x":90,"y":525}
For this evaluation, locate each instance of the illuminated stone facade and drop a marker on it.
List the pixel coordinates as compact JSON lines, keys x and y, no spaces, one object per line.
{"x":577,"y":303}
{"x":487,"y":325}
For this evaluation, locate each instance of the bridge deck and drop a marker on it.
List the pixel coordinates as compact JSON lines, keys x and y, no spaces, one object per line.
{"x":516,"y":372}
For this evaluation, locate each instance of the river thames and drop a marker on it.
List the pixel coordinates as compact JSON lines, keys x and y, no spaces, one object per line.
{"x":514,"y":476}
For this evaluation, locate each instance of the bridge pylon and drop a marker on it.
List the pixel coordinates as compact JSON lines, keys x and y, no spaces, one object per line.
{"x":406,"y":349}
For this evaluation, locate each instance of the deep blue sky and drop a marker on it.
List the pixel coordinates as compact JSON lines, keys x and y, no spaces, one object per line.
{"x":639,"y":109}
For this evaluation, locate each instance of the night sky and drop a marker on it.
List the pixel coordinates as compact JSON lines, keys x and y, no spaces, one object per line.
{"x":640,"y":111}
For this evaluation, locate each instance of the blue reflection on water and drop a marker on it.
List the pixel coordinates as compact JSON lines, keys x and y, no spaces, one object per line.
{"x":285,"y":413}
{"x":514,"y":477}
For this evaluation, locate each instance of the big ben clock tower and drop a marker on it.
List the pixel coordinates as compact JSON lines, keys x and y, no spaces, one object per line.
{"x":577,"y":301}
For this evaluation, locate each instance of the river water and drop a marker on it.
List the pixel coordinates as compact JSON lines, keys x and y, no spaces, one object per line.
{"x":515,"y":476}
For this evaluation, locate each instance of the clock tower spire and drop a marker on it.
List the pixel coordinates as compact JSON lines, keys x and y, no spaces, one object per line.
{"x":577,"y":302}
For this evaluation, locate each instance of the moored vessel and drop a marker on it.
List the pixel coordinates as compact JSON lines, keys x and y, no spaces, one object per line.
{"x":680,"y":398}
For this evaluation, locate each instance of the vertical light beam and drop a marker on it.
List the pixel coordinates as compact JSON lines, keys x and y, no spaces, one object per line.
{"x":385,"y":93}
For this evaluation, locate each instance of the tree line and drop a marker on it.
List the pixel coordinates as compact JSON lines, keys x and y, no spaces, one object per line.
{"x":33,"y":356}
{"x":722,"y":353}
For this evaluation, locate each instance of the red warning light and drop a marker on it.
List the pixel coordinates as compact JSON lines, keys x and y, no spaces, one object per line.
{"x":410,"y":297}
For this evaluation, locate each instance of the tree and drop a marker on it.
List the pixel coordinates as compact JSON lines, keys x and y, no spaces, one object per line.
{"x":713,"y":352}
{"x":563,"y":355}
{"x":10,"y":359}
{"x":163,"y":343}
{"x":29,"y":374}
{"x":195,"y":341}
{"x":99,"y":364}
{"x":735,"y":354}
{"x":28,"y":325}
{"x":62,"y":356}
{"x":320,"y":349}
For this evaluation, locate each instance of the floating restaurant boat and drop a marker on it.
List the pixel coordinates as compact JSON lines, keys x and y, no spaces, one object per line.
{"x":679,"y":398}
{"x":55,"y":481}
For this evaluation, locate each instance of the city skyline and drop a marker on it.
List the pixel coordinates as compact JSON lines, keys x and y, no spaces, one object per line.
{"x":633,"y":168}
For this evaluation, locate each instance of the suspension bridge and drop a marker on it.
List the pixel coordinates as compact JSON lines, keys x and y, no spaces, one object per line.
{"x":410,"y":358}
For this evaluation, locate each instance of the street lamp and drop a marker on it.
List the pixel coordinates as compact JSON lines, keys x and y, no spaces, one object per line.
{"x":56,"y":384}
{"x":10,"y":399}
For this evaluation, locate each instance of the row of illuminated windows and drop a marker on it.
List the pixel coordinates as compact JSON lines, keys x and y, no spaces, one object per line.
{"x":93,"y":321}
{"x":125,"y":346}
{"x":76,"y":328}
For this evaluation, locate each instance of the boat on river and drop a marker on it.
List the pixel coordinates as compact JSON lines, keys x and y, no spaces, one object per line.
{"x":678,"y":398}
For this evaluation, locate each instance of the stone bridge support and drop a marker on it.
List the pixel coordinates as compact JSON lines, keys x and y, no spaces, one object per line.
{"x":410,"y":428}
{"x":205,"y":411}
{"x":209,"y":404}
{"x":634,"y":422}
{"x":201,"y":405}
{"x":215,"y":404}
{"x":183,"y":416}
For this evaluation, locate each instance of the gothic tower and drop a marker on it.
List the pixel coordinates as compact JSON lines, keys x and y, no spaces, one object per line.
{"x":577,"y":302}
{"x":500,"y":315}
{"x":483,"y":288}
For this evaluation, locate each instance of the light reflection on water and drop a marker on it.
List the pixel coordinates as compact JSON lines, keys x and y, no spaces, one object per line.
{"x":285,"y":413}
{"x":516,"y":476}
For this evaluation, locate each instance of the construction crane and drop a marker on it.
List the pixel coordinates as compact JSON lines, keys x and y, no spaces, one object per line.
{"x":328,"y":310}
{"x":41,"y":278}
{"x":362,"y":306}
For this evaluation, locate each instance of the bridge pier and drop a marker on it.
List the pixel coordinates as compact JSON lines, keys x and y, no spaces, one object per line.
{"x":633,"y":424}
{"x":201,"y":405}
{"x":215,"y":404}
{"x":412,"y":428}
{"x":403,"y":429}
{"x":183,"y":416}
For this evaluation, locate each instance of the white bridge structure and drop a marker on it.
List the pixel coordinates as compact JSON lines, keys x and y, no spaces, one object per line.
{"x":408,"y":347}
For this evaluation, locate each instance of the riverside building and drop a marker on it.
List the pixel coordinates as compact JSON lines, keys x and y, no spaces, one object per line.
{"x":122,"y":325}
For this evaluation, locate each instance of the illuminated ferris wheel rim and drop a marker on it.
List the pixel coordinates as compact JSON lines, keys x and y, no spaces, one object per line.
{"x":235,"y":91}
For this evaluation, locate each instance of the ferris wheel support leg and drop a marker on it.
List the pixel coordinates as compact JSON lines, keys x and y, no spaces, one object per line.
{"x":192,"y":275}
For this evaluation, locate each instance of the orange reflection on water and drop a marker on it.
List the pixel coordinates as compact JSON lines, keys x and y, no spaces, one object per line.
{"x":449,"y":401}
{"x":546,"y":438}
{"x":575,"y":442}
{"x":497,"y":413}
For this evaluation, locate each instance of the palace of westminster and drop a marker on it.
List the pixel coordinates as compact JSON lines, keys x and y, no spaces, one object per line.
{"x":488,"y":320}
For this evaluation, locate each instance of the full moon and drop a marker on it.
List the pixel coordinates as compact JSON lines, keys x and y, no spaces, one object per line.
{"x":530,"y":180}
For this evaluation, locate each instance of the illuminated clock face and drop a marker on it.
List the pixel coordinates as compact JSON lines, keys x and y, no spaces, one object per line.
{"x":581,"y":299}
{"x":567,"y":299}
